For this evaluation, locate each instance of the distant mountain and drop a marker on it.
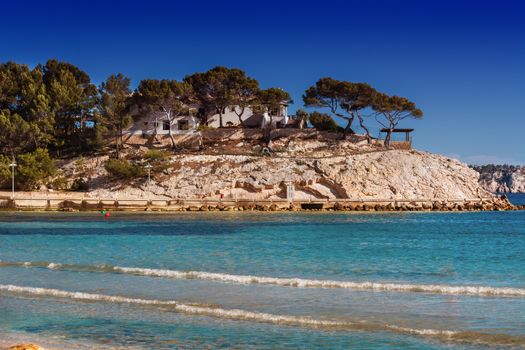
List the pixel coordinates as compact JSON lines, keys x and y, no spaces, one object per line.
{"x":501,"y":178}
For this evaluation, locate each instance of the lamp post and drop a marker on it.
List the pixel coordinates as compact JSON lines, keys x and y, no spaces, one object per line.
{"x":290,"y":188}
{"x":13,"y":165}
{"x":148,"y":166}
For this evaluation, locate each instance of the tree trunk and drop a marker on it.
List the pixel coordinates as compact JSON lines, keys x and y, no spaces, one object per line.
{"x":388,"y":136}
{"x":241,"y":123}
{"x":348,"y":128}
{"x":362,"y":124}
{"x":220,"y":118}
{"x":155,"y":126}
{"x":117,"y":148}
{"x":268,"y":131}
{"x":170,"y":133}
{"x":120,"y":137}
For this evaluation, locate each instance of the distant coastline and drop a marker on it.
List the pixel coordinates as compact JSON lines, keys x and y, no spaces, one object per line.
{"x":501,"y":178}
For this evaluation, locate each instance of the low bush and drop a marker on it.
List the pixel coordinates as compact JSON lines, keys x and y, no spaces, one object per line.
{"x":159,"y":160}
{"x":79,"y":185}
{"x":123,"y":169}
{"x":59,"y":183}
{"x":204,"y":127}
{"x":323,"y":122}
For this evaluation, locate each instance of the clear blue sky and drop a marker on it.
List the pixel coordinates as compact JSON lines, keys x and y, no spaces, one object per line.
{"x":462,"y":62}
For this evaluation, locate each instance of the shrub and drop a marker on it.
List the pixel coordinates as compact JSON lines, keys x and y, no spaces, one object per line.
{"x":159,"y":160}
{"x":33,"y":168}
{"x":155,"y":155}
{"x":123,"y":169}
{"x":59,"y":183}
{"x":5,"y":171}
{"x":79,"y":185}
{"x":323,"y":122}
{"x":204,"y":127}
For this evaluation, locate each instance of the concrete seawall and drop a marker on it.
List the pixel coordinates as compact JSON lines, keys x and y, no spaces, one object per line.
{"x":82,"y":204}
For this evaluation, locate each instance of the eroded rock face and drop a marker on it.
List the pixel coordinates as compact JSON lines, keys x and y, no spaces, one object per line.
{"x":372,"y":174}
{"x":502,"y":178}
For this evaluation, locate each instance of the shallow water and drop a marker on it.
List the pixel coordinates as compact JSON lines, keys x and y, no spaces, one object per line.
{"x":252,"y":280}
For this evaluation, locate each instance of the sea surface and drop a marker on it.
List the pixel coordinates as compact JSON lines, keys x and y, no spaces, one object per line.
{"x":516,"y":198}
{"x":264,"y":280}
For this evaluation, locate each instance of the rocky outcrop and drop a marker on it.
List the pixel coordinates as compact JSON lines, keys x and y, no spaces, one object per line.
{"x":502,"y":178}
{"x":327,"y":174}
{"x":385,"y":174}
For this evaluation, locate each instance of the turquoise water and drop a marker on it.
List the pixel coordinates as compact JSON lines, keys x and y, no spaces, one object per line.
{"x":266,"y":281}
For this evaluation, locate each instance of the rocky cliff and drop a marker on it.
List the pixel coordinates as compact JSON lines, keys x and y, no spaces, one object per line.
{"x":502,"y":178}
{"x":318,"y":169}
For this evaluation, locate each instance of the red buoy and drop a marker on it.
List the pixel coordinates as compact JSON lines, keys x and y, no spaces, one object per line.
{"x":107,"y":215}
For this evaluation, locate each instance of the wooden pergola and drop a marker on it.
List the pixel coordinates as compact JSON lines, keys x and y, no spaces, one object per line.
{"x":406,"y":131}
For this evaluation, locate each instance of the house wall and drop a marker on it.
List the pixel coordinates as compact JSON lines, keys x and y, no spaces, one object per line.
{"x":146,"y":125}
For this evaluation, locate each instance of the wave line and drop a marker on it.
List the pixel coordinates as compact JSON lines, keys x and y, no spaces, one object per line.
{"x":261,"y":317}
{"x":285,"y":282}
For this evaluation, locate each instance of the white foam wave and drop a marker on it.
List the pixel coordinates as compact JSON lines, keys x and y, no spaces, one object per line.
{"x":261,"y":317}
{"x":311,"y":283}
{"x":287,"y":282}
{"x":54,"y":266}
{"x":234,"y":314}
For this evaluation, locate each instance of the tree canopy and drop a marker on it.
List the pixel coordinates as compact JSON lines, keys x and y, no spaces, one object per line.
{"x":55,"y":106}
{"x":114,"y":106}
{"x":323,"y":122}
{"x":393,"y":109}
{"x":170,"y":98}
{"x":355,"y":98}
{"x":221,"y":88}
{"x":341,"y":96}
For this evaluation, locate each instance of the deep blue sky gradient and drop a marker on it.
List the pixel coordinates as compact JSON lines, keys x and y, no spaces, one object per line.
{"x":462,"y":62}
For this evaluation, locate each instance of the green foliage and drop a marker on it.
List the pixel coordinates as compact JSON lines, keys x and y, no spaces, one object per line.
{"x":49,"y":105}
{"x":80,"y":165}
{"x":72,"y":99}
{"x":158,"y":159}
{"x":204,"y":127}
{"x":352,"y":98}
{"x":273,"y":98}
{"x":114,"y":105}
{"x":220,"y":88}
{"x":34,"y":168}
{"x":123,"y":170}
{"x":59,"y":183}
{"x":16,"y":134}
{"x":394,"y":109}
{"x":301,"y":114}
{"x":323,"y":122}
{"x":153,"y":155}
{"x":341,"y":97}
{"x":167,"y":98}
{"x":5,"y":170}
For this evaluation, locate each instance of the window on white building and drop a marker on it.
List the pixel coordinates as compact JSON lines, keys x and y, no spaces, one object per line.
{"x":183,"y":125}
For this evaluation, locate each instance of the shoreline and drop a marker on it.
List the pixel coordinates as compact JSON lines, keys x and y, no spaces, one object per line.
{"x":54,"y":204}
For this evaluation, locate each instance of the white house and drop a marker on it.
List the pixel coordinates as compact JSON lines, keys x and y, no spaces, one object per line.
{"x":158,"y":123}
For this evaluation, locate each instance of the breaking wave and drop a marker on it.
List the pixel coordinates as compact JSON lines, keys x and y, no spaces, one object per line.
{"x":286,"y":282}
{"x":261,"y":317}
